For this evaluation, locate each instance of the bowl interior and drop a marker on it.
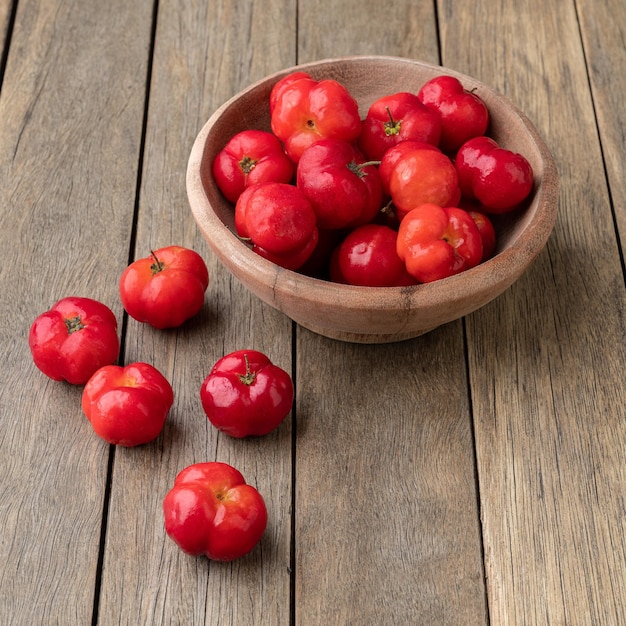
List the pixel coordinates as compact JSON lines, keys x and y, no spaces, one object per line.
{"x":363,"y":313}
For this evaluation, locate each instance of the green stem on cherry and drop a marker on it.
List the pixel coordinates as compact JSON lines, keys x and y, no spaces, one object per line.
{"x":249,"y":377}
{"x":392,"y":127}
{"x":357,"y":168}
{"x":157,"y":266}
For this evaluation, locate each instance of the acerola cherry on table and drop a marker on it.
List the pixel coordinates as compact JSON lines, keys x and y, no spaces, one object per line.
{"x":211,"y":511}
{"x":166,"y":288}
{"x":246,"y":394}
{"x":127,"y":406}
{"x":73,"y":339}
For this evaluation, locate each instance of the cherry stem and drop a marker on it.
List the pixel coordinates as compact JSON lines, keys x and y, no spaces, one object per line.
{"x":249,"y":377}
{"x":392,"y":127}
{"x":157,"y":266}
{"x":73,"y":324}
{"x":388,"y":209}
{"x":247,"y":164}
{"x":357,"y":168}
{"x":247,"y":241}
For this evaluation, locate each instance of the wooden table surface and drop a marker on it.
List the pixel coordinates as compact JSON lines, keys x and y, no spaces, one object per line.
{"x":475,"y":475}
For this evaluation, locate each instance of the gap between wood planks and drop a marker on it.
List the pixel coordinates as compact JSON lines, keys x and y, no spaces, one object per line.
{"x":7,"y":42}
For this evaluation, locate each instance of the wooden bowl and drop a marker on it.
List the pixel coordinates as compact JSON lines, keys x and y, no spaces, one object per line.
{"x":369,"y":314}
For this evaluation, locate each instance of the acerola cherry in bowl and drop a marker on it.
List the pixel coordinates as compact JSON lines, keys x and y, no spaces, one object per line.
{"x":373,"y":314}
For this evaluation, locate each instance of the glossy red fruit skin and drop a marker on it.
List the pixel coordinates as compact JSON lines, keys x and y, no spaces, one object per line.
{"x":245,"y":394}
{"x":344,"y":190}
{"x":304,"y":110}
{"x":279,"y":223}
{"x":368,"y":257}
{"x":466,"y":162}
{"x":211,"y":510}
{"x":499,"y":179}
{"x":278,"y":88}
{"x":396,"y":118}
{"x":463,"y":113}
{"x":437,"y":242}
{"x":166,"y":288}
{"x":487,"y":233}
{"x":127,"y":406}
{"x":248,"y":158}
{"x":419,"y":176}
{"x":394,"y":154}
{"x":73,"y":339}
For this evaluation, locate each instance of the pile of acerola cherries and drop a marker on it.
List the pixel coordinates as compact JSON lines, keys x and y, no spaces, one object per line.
{"x":405,"y":196}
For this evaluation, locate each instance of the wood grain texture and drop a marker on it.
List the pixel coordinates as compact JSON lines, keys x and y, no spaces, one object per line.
{"x":203,"y":55}
{"x":68,"y":166}
{"x":603,"y":29}
{"x":5,"y":18}
{"x":547,"y":358}
{"x":383,"y":534}
{"x":387,"y":529}
{"x":475,"y":475}
{"x":350,"y":27}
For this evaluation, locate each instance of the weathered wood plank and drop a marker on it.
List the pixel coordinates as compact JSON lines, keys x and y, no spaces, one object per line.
{"x":5,"y":18}
{"x":71,"y":110}
{"x":547,"y":358}
{"x":387,"y":528}
{"x":603,"y":28}
{"x":386,"y":525}
{"x":204,"y":53}
{"x":406,"y":29}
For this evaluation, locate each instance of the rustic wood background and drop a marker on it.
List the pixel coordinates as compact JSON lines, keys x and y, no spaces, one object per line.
{"x":475,"y":475}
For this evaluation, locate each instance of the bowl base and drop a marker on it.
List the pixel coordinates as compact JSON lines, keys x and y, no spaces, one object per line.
{"x":364,"y":337}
